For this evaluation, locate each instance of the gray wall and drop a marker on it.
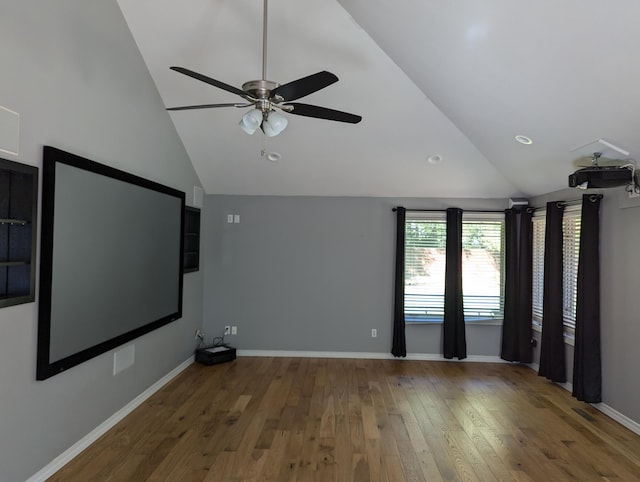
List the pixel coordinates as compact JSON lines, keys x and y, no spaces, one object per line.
{"x":73,"y":72}
{"x":315,"y":274}
{"x":620,"y":291}
{"x":620,"y":284}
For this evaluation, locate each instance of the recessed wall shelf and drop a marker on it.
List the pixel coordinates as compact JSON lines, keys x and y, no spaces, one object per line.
{"x":191,"y":248}
{"x":13,"y":221}
{"x":18,"y":210}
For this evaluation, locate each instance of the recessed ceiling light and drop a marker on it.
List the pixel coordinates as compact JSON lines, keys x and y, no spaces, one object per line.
{"x":271,"y":156}
{"x":435,"y":159}
{"x":523,"y":140}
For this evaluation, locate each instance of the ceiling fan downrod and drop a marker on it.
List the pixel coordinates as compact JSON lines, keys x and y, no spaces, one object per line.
{"x":261,"y":89}
{"x":264,"y":40}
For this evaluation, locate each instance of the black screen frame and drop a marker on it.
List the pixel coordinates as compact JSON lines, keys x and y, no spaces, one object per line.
{"x":51,"y":157}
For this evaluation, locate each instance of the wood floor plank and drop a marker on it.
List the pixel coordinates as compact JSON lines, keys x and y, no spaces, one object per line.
{"x":304,"y":419}
{"x":277,"y":455}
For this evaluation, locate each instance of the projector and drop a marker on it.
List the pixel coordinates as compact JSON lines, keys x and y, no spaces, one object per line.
{"x":213,"y":355}
{"x":601,"y":177}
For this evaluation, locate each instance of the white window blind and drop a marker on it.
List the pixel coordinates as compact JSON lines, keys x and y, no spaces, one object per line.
{"x":425,"y":261}
{"x":570,"y":255}
{"x":482,"y":266}
{"x":538,"y":267}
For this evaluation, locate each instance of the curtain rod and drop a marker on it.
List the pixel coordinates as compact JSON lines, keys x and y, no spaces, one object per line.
{"x":444,"y":210}
{"x":573,"y":202}
{"x":592,"y":198}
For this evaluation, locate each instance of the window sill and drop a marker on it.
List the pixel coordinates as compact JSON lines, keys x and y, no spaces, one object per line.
{"x":484,"y":322}
{"x":440,"y":322}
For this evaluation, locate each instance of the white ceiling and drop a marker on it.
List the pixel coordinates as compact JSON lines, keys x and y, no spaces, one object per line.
{"x":457,"y":79}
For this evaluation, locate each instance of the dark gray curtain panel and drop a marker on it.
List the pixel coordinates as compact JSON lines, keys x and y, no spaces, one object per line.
{"x":587,"y":374}
{"x":552,"y":355}
{"x":516,"y":328}
{"x":454,"y":340}
{"x":399,"y":343}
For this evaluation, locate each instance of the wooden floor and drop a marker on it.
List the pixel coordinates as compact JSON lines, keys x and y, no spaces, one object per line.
{"x":299,"y":419}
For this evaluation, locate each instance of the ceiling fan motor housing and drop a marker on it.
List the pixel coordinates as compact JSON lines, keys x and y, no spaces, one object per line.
{"x":259,"y":89}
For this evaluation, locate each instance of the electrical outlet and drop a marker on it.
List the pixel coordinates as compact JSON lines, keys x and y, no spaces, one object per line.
{"x":234,"y":330}
{"x":374,"y":333}
{"x":229,"y":218}
{"x":227,"y":330}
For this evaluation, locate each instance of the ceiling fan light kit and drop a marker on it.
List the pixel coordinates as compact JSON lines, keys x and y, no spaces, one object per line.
{"x":524,"y":140}
{"x":274,"y":124}
{"x":251,"y":121}
{"x":266,"y":96}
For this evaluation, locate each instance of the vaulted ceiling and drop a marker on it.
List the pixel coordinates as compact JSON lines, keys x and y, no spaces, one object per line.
{"x":456,"y":79}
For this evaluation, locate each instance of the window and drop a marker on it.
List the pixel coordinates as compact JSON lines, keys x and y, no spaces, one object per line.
{"x":424,"y":265}
{"x":482,"y":266}
{"x":570,"y":254}
{"x":538,"y":267}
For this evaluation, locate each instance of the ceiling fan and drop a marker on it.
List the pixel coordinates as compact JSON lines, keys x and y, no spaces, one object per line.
{"x":267,"y":97}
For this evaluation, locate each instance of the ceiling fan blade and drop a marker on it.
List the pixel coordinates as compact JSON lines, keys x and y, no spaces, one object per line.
{"x":209,"y":80}
{"x":321,"y":113}
{"x":208,"y":106}
{"x":306,"y":85}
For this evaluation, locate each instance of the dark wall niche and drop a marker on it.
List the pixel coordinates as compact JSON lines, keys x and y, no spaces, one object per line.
{"x":191,"y":239}
{"x":18,"y":212}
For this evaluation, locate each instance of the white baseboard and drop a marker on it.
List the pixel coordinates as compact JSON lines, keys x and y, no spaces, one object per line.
{"x":66,"y":456}
{"x":618,"y":417}
{"x":603,"y":407}
{"x":364,"y":355}
{"x":314,"y":354}
{"x":469,"y":359}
